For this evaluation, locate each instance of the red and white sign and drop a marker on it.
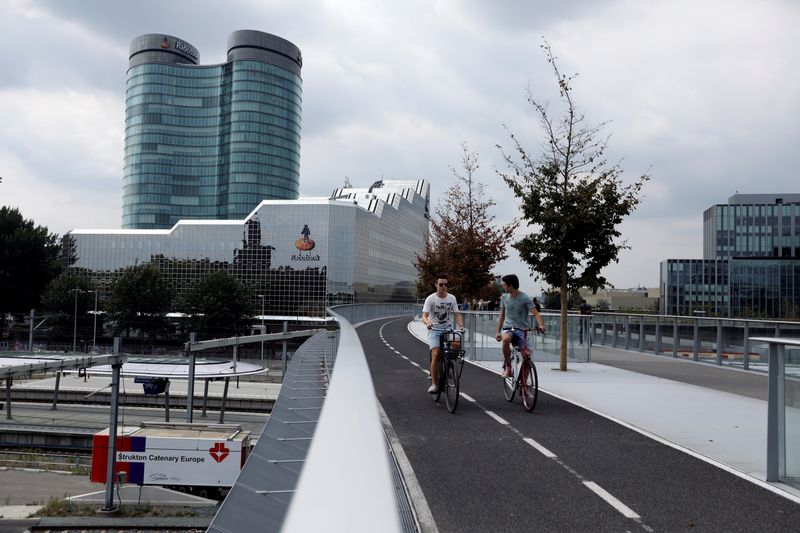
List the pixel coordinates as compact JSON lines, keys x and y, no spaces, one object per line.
{"x":159,"y":460}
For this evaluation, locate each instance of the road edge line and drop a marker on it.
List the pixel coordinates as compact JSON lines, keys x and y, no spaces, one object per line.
{"x":419,"y":505}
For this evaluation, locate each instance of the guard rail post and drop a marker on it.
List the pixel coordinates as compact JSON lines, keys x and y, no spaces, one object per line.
{"x":627,"y":332}
{"x":641,"y":333}
{"x":675,"y":337}
{"x":657,"y":345}
{"x":746,"y":346}
{"x":776,"y":437}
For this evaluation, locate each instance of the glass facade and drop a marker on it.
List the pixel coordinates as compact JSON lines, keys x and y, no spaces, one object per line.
{"x":694,"y":285}
{"x":750,"y":265}
{"x":765,"y":288}
{"x":356,"y":246}
{"x":753,"y":225}
{"x":209,"y":142}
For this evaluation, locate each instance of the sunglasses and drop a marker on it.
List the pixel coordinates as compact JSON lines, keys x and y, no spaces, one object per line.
{"x":443,"y":284}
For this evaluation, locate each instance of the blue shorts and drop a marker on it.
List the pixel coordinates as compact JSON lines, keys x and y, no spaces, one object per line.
{"x":433,"y":337}
{"x":517,"y":336}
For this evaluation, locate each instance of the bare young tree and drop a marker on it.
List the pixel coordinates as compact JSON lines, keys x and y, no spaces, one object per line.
{"x":572,"y":199}
{"x":464,"y":241}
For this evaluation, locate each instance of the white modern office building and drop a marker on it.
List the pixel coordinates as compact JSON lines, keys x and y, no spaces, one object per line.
{"x":358,"y":245}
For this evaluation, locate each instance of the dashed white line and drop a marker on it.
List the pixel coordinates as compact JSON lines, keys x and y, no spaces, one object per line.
{"x":497,"y":418}
{"x":544,"y":451}
{"x":611,"y":500}
{"x":591,"y":485}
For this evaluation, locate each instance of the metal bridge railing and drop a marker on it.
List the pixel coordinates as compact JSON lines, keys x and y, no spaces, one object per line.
{"x":346,"y":483}
{"x":720,"y":341}
{"x":783,"y":411}
{"x":481,"y":344}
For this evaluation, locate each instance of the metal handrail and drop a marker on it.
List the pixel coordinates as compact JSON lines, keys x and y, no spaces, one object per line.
{"x":776,"y":406}
{"x":709,"y":339}
{"x":348,"y":452}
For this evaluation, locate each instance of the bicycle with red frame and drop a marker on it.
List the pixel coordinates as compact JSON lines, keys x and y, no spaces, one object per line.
{"x":524,"y":377}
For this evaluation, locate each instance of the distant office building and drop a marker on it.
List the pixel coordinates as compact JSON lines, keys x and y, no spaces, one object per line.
{"x":209,"y":141}
{"x":635,"y":299}
{"x":355,"y":246}
{"x":750,"y":265}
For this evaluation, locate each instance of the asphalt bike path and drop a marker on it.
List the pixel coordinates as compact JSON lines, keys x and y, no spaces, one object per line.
{"x":492,"y":466}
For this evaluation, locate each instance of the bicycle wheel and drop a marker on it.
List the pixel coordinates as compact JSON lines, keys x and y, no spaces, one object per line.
{"x":451,"y":384}
{"x":510,"y":383}
{"x":529,"y":385}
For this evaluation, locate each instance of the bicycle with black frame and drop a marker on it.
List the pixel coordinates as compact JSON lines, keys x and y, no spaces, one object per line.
{"x":451,"y":363}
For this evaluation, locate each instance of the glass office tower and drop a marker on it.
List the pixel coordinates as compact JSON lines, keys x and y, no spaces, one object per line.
{"x":209,"y":142}
{"x":750,"y":265}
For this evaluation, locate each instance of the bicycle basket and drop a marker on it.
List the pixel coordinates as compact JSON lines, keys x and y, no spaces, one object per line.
{"x":451,"y":344}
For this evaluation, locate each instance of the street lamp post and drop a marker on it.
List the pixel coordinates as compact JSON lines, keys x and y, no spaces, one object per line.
{"x":75,"y":321}
{"x":94,"y":330}
{"x":262,"y":323}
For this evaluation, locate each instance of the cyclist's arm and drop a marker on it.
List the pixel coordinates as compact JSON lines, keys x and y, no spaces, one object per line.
{"x":500,"y":320}
{"x":459,"y":319}
{"x":425,"y":319}
{"x":538,"y":317}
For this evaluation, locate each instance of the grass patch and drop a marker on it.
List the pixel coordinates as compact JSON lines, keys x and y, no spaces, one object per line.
{"x":63,"y":507}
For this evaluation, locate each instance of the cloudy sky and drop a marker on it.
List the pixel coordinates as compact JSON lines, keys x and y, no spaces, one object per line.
{"x":703,"y":95}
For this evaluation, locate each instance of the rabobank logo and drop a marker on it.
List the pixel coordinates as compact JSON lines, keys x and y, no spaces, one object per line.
{"x":165,"y":43}
{"x":305,"y":243}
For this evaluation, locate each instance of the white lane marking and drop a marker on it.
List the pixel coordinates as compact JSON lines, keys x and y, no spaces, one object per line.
{"x":404,"y":357}
{"x":611,"y":500}
{"x":467,"y":397}
{"x":426,"y":371}
{"x":544,"y":451}
{"x":415,"y":364}
{"x":501,"y":420}
{"x":719,"y":464}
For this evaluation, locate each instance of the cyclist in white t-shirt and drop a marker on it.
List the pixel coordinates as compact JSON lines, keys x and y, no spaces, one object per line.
{"x":438,"y":312}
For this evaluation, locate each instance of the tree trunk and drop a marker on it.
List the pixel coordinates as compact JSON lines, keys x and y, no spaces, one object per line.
{"x":564,"y":298}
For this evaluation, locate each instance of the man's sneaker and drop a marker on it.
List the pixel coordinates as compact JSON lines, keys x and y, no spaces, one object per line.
{"x":433,"y":389}
{"x":507,"y":372}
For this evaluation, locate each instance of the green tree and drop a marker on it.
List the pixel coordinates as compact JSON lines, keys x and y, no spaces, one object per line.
{"x":464,"y":241}
{"x":220,"y":305}
{"x":572,"y":199}
{"x":28,"y":261}
{"x":552,"y":299}
{"x":59,"y":301}
{"x":140,"y":300}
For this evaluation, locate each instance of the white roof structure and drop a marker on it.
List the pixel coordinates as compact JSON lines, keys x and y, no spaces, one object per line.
{"x":178,"y":368}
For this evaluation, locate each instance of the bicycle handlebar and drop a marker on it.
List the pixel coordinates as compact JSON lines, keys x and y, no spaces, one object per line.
{"x":526,"y":330}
